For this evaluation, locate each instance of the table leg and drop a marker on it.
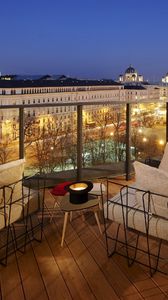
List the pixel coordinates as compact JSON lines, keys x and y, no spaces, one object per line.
{"x":64,"y":228}
{"x":52,"y":213}
{"x":70,"y":216}
{"x":100,"y":202}
{"x":97,"y":220}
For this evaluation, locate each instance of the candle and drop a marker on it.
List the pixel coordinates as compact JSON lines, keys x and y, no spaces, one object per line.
{"x":78,"y":186}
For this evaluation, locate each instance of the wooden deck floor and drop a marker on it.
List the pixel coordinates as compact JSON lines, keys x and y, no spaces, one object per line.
{"x":79,"y":270}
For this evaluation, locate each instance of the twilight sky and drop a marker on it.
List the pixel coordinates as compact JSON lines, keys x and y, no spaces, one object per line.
{"x":84,"y":38}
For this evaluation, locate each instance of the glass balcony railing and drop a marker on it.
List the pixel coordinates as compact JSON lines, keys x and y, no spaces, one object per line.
{"x":104,"y":139}
{"x":82,"y":141}
{"x":148,"y":134}
{"x":50,"y":140}
{"x":9,"y":135}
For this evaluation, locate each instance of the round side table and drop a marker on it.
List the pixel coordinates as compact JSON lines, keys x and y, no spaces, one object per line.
{"x":67,"y":207}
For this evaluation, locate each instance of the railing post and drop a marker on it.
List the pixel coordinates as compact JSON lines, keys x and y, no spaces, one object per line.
{"x":166,"y":121}
{"x":79,"y":142}
{"x":21,"y":132}
{"x":128,"y":141}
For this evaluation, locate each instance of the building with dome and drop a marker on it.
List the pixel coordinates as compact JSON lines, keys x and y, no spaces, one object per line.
{"x":130,"y":76}
{"x":165,"y":79}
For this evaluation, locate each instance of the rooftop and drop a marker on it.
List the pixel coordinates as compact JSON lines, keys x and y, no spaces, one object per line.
{"x":130,"y":70}
{"x":134,"y":87}
{"x":46,"y":82}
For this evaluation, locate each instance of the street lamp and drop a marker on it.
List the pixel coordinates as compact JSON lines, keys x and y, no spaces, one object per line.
{"x":161,"y":142}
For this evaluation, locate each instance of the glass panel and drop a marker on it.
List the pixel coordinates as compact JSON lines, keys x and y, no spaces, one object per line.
{"x":104,"y":139}
{"x":148,"y":134}
{"x":50,"y":139}
{"x":9,"y":135}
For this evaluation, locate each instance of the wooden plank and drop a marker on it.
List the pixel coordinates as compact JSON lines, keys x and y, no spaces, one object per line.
{"x":120,"y":283}
{"x":132,"y":297}
{"x":80,"y":270}
{"x":157,"y":297}
{"x":90,"y":270}
{"x":10,"y":282}
{"x":33,"y":285}
{"x":76,"y":283}
{"x":54,"y":282}
{"x":135,"y":273}
{"x":151,"y":287}
{"x":161,"y":281}
{"x":96,"y":279}
{"x":148,"y":288}
{"x":0,"y":286}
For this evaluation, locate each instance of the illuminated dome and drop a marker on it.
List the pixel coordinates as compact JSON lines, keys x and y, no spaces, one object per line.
{"x":165,"y":78}
{"x":130,"y":75}
{"x":130,"y":70}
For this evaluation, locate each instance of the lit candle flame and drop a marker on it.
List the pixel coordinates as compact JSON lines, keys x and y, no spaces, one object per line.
{"x":78,"y":188}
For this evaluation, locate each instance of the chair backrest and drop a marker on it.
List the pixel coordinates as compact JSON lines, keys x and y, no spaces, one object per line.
{"x":155,"y":181}
{"x":11,"y":173}
{"x":164,"y":161}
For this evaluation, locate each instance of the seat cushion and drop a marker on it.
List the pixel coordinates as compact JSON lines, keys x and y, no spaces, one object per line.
{"x":126,"y":210}
{"x":98,"y":187}
{"x":11,"y":172}
{"x":59,"y":189}
{"x":113,"y":209}
{"x":14,"y":213}
{"x":2,"y":218}
{"x":33,"y":201}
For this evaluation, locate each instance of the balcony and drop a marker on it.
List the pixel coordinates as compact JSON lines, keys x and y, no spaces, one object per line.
{"x":81,"y":270}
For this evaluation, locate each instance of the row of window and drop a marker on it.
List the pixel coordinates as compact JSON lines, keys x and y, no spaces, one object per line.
{"x":54,"y":90}
{"x":79,"y":97}
{"x":54,"y":110}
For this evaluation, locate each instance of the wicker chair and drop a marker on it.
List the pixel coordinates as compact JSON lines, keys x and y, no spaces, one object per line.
{"x":21,"y":210}
{"x":139,"y":215}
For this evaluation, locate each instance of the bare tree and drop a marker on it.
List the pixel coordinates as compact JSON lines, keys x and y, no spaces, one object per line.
{"x":51,"y":147}
{"x":101,"y":145}
{"x":7,"y":151}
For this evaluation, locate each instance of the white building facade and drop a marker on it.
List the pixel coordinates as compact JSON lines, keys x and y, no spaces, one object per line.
{"x":165,"y":79}
{"x":66,"y":115}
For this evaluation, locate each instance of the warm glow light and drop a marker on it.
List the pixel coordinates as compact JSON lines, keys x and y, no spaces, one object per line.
{"x":135,"y":110}
{"x":144,"y":139}
{"x":161,"y":142}
{"x":140,"y":130}
{"x":78,"y":186}
{"x":111,"y":133}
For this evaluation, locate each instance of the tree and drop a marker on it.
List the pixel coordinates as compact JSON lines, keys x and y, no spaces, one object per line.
{"x":49,"y":146}
{"x":7,"y":151}
{"x":97,"y":141}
